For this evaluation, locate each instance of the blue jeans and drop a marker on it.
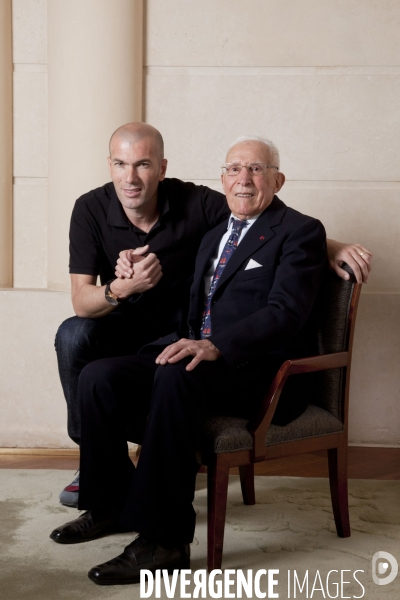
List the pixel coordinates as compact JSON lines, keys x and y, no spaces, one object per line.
{"x":80,"y":341}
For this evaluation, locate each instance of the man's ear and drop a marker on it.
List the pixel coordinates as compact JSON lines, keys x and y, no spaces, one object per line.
{"x":109,"y":163}
{"x":279,"y":181}
{"x":222,"y":181}
{"x":163,"y":168}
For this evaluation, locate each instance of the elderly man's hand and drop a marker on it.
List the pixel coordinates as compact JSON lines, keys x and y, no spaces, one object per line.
{"x":356,"y":256}
{"x":199,"y":349}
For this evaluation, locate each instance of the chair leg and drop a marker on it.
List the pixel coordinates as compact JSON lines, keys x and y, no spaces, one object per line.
{"x":247,"y":483}
{"x":337,"y":459}
{"x":217,"y":490}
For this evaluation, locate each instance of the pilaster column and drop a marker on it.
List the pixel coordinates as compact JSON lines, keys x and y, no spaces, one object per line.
{"x":6,"y":145}
{"x":95,"y":85}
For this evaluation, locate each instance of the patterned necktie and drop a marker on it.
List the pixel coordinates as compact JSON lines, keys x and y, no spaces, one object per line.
{"x":229,"y":248}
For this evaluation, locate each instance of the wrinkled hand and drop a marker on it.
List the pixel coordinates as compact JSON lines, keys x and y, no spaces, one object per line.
{"x":126,"y":260}
{"x":143,"y":274}
{"x":356,"y":256}
{"x":199,"y":349}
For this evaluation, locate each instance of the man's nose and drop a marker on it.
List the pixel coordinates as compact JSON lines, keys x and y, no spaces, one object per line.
{"x":130,"y":174}
{"x":244,"y":177}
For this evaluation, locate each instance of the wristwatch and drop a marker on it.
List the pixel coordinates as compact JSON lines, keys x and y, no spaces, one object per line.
{"x":110,"y":297}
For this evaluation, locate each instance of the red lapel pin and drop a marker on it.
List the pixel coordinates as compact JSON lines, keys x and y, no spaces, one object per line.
{"x":262,"y":237}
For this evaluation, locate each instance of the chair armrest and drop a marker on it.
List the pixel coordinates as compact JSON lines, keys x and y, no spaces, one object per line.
{"x":317,"y":363}
{"x":258,"y":427}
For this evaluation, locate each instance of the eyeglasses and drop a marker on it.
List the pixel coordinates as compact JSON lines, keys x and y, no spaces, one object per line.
{"x":254,"y":169}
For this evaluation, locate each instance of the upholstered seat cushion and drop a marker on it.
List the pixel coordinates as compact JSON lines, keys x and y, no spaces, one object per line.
{"x":230,"y":434}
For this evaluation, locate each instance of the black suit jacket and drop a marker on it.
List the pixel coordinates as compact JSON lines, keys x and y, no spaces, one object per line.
{"x":265,"y":309}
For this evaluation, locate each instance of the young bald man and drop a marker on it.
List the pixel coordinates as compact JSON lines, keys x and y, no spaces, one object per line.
{"x":164,"y":220}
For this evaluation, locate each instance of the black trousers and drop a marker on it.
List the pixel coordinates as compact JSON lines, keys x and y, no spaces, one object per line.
{"x":163,"y":408}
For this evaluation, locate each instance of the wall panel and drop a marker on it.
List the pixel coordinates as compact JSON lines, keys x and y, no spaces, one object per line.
{"x":30,"y":222}
{"x":330,"y":124}
{"x":33,"y":410}
{"x":5,"y":144}
{"x":269,"y":33}
{"x":30,"y":142}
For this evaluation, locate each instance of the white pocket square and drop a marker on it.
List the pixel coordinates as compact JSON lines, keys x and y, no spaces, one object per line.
{"x":252,"y":264}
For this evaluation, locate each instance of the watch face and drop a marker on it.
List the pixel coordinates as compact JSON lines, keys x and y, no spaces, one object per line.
{"x":112,"y":300}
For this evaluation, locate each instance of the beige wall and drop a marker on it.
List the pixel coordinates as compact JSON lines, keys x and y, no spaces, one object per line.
{"x":319,"y":77}
{"x":322,"y":79}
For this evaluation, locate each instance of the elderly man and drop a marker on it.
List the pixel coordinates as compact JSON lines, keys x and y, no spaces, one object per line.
{"x":164,"y":220}
{"x":256,"y":279}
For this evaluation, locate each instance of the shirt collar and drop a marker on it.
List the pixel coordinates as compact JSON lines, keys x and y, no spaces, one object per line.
{"x":116,"y":215}
{"x":250,"y":222}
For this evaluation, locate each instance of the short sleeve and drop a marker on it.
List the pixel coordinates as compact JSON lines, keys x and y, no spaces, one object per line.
{"x":84,"y":248}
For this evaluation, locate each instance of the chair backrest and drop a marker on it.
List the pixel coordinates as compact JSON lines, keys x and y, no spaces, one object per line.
{"x":336,"y":306}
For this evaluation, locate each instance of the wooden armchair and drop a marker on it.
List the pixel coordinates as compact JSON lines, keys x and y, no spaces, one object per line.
{"x":230,"y":441}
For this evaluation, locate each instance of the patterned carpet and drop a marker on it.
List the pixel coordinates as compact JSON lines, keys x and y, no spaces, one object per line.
{"x":290,"y":529}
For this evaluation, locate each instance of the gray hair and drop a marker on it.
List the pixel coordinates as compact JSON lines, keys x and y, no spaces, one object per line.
{"x":255,"y":138}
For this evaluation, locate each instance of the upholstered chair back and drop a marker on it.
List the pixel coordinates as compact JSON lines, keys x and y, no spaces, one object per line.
{"x":333,"y":308}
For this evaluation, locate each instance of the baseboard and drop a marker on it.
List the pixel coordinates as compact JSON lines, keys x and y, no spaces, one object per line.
{"x":360,"y":445}
{"x":71,"y":452}
{"x":133,"y":450}
{"x":42,"y":451}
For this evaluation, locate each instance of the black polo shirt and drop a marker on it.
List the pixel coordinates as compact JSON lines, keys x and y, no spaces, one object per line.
{"x":100,"y":229}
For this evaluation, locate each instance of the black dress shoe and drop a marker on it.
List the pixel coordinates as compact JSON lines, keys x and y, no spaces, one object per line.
{"x":84,"y":528}
{"x":140,"y":554}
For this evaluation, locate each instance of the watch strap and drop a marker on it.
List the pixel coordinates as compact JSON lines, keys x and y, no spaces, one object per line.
{"x":110,"y":297}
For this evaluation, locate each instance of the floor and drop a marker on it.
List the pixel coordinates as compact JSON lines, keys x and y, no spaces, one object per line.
{"x":364,"y":463}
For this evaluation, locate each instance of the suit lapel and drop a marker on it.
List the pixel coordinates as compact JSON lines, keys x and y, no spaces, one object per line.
{"x":259,"y":234}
